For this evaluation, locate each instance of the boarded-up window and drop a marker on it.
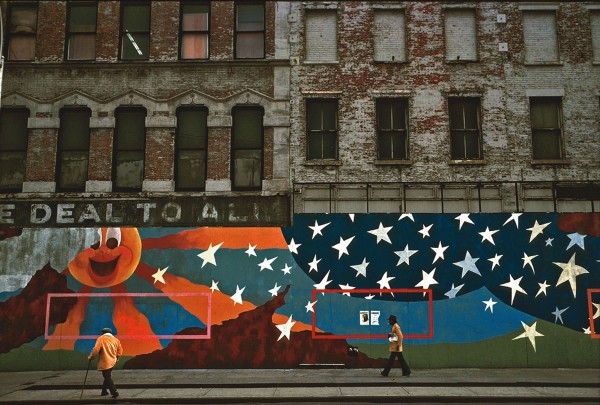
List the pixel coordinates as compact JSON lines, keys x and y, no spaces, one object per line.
{"x":595,"y":22}
{"x":389,"y":36}
{"x":73,"y":149}
{"x":321,"y":127}
{"x":321,"y":36}
{"x":190,"y":147}
{"x":13,"y":148}
{"x":539,"y":32}
{"x":392,"y":128}
{"x":247,"y":148}
{"x":461,"y":34}
{"x":129,"y":144}
{"x":465,"y":127}
{"x":546,"y":127}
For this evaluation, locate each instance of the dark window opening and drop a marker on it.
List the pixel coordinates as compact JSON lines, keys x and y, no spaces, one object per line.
{"x":190,"y":148}
{"x":465,"y":128}
{"x":13,"y":148}
{"x":250,"y":30}
{"x":129,"y":149}
{"x":135,"y":31}
{"x":247,"y":148}
{"x":392,"y":129}
{"x":321,"y":117}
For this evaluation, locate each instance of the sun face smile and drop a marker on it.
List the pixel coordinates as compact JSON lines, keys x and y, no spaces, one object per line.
{"x":102,"y":268}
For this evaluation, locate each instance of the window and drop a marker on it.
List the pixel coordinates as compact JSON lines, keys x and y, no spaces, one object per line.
{"x":247,"y":148}
{"x":595,"y":23}
{"x":321,"y":36}
{"x":392,"y":129}
{"x":81,"y":31}
{"x":460,"y":29}
{"x":389,"y":36}
{"x":465,"y":128}
{"x":13,"y":148}
{"x":321,"y":117}
{"x":250,"y":30}
{"x":546,"y":127}
{"x":22,"y":30}
{"x":190,"y":148}
{"x":194,"y":30}
{"x":539,"y":31}
{"x":73,"y":149}
{"x":129,"y":143}
{"x":135,"y":31}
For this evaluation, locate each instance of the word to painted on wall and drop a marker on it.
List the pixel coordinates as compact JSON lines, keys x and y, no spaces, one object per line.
{"x":184,"y":211}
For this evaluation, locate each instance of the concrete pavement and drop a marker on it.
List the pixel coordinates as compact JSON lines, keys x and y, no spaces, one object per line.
{"x":310,"y":385}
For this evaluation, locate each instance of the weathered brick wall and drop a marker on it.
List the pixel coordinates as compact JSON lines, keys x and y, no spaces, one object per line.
{"x":100,"y":158}
{"x":219,"y":156}
{"x":41,"y":151}
{"x":51,"y":31}
{"x":159,"y":156}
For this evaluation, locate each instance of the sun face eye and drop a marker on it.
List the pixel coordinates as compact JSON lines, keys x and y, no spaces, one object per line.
{"x":113,"y":237}
{"x":97,"y":244}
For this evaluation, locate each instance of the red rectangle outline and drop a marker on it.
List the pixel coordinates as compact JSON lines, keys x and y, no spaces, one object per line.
{"x":595,"y":335}
{"x":429,"y":292}
{"x":197,"y":337}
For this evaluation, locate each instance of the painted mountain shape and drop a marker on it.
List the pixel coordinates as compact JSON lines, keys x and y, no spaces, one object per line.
{"x":251,"y":341}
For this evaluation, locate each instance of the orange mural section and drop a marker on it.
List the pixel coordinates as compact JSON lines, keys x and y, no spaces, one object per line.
{"x":71,"y":326}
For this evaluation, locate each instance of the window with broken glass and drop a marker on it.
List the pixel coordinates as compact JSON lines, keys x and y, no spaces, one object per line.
{"x":135,"y":31}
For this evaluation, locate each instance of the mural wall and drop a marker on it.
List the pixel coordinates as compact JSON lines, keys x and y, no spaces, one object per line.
{"x":469,"y":290}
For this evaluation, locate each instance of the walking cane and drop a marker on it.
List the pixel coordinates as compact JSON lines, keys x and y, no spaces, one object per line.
{"x":85,"y":379}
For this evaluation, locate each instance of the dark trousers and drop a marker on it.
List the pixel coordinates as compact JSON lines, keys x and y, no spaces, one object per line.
{"x":390,"y":363}
{"x":108,"y":384}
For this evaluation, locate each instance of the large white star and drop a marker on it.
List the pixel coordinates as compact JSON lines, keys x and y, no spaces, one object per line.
{"x":530,"y":333}
{"x":405,"y":255}
{"x":381,"y":233}
{"x":468,"y":265}
{"x":527,"y":260}
{"x":428,"y":280}
{"x":275,"y":290}
{"x":286,"y":328}
{"x":323,"y":284}
{"x":293,"y":246}
{"x":514,"y":286}
{"x":314,"y":265}
{"x":558,"y":315}
{"x":488,"y":235}
{"x":515,"y":218}
{"x":425,"y":230}
{"x":266,"y":264}
{"x":385,"y":281}
{"x":158,"y":276}
{"x":342,"y":246}
{"x":543,"y":287}
{"x":570,"y":273}
{"x":576,"y":239}
{"x":439,"y":252}
{"x":310,"y":307}
{"x":361,"y":268}
{"x":462,"y":218}
{"x":237,"y":297}
{"x":250,"y":251}
{"x":318,"y":228}
{"x":489,"y":304}
{"x":536,"y":230}
{"x":208,"y":256}
{"x":495,"y":261}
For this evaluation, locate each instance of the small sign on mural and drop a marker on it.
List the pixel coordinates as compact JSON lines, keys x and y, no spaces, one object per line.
{"x":369,"y":317}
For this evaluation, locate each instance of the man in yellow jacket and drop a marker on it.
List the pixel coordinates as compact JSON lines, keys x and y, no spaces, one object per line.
{"x":395,"y":338}
{"x":109,"y":349}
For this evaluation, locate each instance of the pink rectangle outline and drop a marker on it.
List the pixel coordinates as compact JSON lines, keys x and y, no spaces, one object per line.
{"x":367,"y":290}
{"x":196,"y":337}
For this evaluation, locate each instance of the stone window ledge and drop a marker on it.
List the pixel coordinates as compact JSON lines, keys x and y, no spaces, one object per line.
{"x":323,"y":162}
{"x":537,"y":162}
{"x":384,"y":162}
{"x":473,"y":162}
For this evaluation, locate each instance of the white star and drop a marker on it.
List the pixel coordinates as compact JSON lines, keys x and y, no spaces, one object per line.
{"x":361,"y":268}
{"x":427,"y":281}
{"x":549,"y":241}
{"x":286,"y":328}
{"x":318,"y":228}
{"x":587,"y":331}
{"x":381,"y":233}
{"x":488,"y":235}
{"x":314,"y":264}
{"x":250,"y":251}
{"x":293,"y":246}
{"x":405,"y":255}
{"x":369,"y":297}
{"x":214,"y":286}
{"x":495,"y":261}
{"x":514,"y":286}
{"x":530,"y":333}
{"x":237,"y":297}
{"x":266,"y":264}
{"x":453,"y":291}
{"x":543,"y":288}
{"x":346,"y":287}
{"x":468,"y":265}
{"x":208,"y":256}
{"x":558,"y":314}
{"x":351,"y":216}
{"x":425,"y":230}
{"x":597,"y":314}
{"x":570,"y":273}
{"x":536,"y":230}
{"x":527,"y":260}
{"x":439,"y":252}
{"x":342,"y":246}
{"x":323,"y":284}
{"x":576,"y":239}
{"x":489,"y":304}
{"x":310,"y":307}
{"x":385,"y":281}
{"x":158,"y":276}
{"x":515,"y":218}
{"x":409,"y":216}
{"x":463,"y":218}
{"x":286,"y":269}
{"x":275,"y":290}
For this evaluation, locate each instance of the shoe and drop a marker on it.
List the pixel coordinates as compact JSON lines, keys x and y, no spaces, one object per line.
{"x":383,"y":374}
{"x":103,"y":393}
{"x":116,"y":394}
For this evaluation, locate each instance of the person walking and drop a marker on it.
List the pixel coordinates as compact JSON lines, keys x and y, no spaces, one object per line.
{"x":395,"y":338}
{"x":108,"y":349}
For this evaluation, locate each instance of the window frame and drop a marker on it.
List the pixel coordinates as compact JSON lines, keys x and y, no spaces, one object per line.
{"x":401,"y":133}
{"x":23,"y":150}
{"x":11,"y":35}
{"x":178,"y":148}
{"x":70,"y":33}
{"x":182,"y":32}
{"x":116,"y":149}
{"x":237,"y":31}
{"x":123,"y":32}
{"x":235,"y":149}
{"x":61,"y":151}
{"x":537,"y":131}
{"x":462,"y":132}
{"x":310,"y":132}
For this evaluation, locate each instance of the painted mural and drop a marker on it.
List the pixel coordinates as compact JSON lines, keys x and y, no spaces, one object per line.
{"x":469,"y":290}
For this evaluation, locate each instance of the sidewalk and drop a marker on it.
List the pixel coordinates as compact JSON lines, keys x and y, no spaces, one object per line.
{"x":306,"y":385}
